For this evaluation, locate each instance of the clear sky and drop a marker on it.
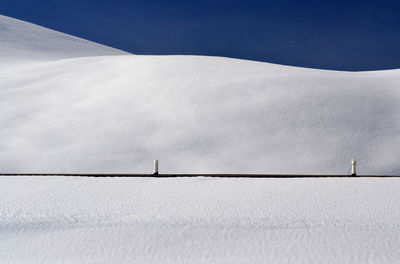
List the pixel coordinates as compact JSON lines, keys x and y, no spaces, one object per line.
{"x":343,"y":35}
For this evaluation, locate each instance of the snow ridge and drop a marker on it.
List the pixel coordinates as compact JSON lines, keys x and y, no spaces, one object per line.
{"x":21,"y":40}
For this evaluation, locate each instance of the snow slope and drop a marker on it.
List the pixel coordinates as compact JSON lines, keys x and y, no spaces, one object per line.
{"x":20,"y":40}
{"x":199,"y":220}
{"x":195,"y":114}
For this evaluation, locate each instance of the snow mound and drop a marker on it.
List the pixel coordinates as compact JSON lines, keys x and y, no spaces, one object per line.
{"x":195,"y":114}
{"x":202,"y":220}
{"x":20,"y":40}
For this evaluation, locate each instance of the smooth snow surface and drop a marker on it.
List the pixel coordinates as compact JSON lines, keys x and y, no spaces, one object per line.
{"x":201,"y":220}
{"x":195,"y":114}
{"x":25,"y":41}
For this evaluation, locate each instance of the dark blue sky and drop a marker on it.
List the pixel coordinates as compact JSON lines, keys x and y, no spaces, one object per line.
{"x":344,"y":35}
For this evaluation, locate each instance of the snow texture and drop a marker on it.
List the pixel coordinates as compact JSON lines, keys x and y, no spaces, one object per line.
{"x":199,"y":220}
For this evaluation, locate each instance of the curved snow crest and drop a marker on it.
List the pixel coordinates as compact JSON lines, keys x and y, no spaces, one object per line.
{"x":196,"y":114}
{"x":21,"y":40}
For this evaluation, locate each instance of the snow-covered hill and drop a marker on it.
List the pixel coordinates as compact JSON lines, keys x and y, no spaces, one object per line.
{"x":195,"y":114}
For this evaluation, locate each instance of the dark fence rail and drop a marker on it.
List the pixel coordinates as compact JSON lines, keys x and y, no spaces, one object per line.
{"x":197,"y":175}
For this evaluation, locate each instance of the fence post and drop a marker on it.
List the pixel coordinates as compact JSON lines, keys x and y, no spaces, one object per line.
{"x":155,"y":167}
{"x":353,"y":167}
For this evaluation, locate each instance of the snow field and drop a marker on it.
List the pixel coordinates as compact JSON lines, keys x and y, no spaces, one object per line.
{"x":199,"y":220}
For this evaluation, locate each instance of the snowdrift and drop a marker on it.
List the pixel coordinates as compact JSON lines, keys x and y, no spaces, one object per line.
{"x":195,"y":114}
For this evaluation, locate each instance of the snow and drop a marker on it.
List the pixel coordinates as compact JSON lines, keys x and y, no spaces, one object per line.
{"x":69,"y":105}
{"x":196,"y":114}
{"x":199,"y":220}
{"x":117,"y":113}
{"x":66,"y":110}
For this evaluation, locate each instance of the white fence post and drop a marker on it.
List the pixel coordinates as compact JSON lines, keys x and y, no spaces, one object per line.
{"x":353,"y":167}
{"x":155,"y":167}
